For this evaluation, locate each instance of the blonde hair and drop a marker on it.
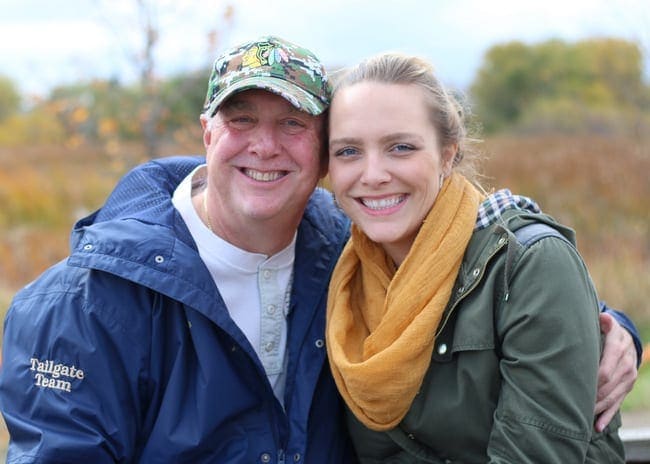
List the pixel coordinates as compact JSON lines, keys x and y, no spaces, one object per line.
{"x":447,"y":115}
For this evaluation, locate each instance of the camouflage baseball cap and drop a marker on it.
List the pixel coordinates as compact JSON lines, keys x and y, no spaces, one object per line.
{"x":272,"y":64}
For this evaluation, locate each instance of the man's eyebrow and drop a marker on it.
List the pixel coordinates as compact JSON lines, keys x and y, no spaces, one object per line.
{"x":235,"y":104}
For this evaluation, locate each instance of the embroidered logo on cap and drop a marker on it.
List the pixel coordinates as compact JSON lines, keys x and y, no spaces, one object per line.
{"x":264,"y":54}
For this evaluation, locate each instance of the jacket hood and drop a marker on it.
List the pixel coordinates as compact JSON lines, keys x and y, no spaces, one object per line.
{"x":143,"y":194}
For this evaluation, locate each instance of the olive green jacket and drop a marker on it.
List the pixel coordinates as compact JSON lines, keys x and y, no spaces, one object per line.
{"x":514,"y":370}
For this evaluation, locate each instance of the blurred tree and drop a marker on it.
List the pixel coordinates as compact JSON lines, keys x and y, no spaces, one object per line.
{"x":149,"y":19}
{"x":183,"y":96}
{"x":34,"y":127}
{"x":503,"y":86}
{"x":9,"y":98}
{"x":98,"y":111}
{"x":150,"y":106}
{"x":107,"y":112}
{"x":519,"y":82}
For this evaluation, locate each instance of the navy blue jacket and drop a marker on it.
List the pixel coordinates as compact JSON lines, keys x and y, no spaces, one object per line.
{"x":125,"y":351}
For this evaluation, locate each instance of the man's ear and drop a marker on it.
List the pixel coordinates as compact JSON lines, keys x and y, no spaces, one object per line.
{"x":207,"y":133}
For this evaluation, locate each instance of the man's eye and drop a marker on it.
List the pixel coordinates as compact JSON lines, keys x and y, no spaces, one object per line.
{"x":241,"y":120}
{"x":293,"y":125}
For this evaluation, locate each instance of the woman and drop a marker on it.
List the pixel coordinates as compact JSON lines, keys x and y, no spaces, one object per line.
{"x":451,"y":338}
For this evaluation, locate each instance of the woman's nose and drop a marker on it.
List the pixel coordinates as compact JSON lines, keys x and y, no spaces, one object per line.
{"x":374,"y":171}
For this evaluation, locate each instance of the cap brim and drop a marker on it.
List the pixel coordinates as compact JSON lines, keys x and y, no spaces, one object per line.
{"x":295,"y":95}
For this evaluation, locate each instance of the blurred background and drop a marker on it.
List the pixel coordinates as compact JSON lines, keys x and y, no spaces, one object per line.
{"x":559,"y":93}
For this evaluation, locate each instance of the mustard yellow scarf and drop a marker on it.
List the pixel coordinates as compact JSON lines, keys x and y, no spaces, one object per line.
{"x":381,"y":323}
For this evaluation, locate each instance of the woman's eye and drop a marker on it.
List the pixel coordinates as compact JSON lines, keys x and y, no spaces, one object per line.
{"x":347,"y":151}
{"x":402,"y":147}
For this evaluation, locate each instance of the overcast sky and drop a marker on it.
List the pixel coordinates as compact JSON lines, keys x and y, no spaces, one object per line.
{"x":48,"y":42}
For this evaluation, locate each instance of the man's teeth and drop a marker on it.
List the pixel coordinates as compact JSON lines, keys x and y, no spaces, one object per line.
{"x":266,"y":176}
{"x":382,"y":203}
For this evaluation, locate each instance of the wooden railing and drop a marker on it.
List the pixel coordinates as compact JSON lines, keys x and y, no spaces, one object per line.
{"x":637,"y":444}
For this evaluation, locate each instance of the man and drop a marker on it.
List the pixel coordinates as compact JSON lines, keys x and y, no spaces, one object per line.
{"x":187,"y":324}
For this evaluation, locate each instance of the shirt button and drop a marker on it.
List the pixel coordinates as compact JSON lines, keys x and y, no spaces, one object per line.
{"x":476,"y":272}
{"x":296,"y":457}
{"x":265,"y":457}
{"x":319,"y":343}
{"x":268,"y":347}
{"x":411,"y":436}
{"x":460,"y":290}
{"x":442,"y":348}
{"x":266,"y":274}
{"x":270,"y":309}
{"x":502,"y":240}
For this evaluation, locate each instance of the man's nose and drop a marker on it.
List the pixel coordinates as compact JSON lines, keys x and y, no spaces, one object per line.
{"x":265,"y":141}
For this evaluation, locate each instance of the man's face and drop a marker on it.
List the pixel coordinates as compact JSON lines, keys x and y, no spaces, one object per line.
{"x":263,"y":162}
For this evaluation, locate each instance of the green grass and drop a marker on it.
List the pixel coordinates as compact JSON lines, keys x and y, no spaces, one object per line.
{"x":639,"y":397}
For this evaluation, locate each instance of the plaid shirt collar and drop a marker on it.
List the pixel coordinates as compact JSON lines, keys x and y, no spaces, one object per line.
{"x":497,"y":203}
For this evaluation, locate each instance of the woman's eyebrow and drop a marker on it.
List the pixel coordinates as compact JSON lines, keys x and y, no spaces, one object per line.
{"x":398,"y":136}
{"x":386,"y":138}
{"x":343,"y":141}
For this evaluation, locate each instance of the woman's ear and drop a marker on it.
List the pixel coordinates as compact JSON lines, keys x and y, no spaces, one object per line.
{"x":448,"y":155}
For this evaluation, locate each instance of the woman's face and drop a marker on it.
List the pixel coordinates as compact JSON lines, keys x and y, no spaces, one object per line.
{"x":385,"y":161}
